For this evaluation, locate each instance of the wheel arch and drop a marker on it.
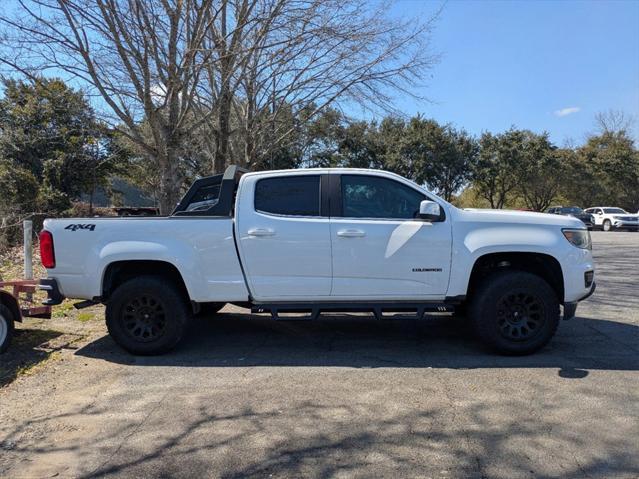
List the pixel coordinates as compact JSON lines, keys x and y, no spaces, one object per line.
{"x":541,"y":264}
{"x":8,"y":300}
{"x":118,"y":272}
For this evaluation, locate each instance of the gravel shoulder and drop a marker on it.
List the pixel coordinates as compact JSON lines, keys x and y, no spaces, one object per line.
{"x":339,"y":397}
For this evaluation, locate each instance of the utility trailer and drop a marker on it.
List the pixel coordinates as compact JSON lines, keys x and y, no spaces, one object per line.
{"x":16,"y":303}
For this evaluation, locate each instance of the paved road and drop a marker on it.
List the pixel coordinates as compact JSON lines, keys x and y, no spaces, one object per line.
{"x":344,"y":397}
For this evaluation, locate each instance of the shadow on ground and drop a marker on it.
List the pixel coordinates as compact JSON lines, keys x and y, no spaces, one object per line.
{"x":357,"y":443}
{"x":234,"y":340}
{"x":28,"y":348}
{"x":482,"y":437}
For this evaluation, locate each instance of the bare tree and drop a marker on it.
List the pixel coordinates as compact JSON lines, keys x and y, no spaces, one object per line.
{"x":277,"y":56}
{"x":164,"y":72}
{"x":141,"y":59}
{"x":613,"y":121}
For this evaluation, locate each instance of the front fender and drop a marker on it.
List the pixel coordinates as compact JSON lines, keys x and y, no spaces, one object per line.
{"x":474,"y":241}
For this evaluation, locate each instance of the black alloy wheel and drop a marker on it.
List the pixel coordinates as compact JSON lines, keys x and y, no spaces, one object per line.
{"x":514,"y":312}
{"x":148,"y":314}
{"x":520,"y":315}
{"x":144,"y":318}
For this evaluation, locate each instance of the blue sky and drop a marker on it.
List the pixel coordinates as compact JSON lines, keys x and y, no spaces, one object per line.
{"x":536,"y":64}
{"x":522,"y":62}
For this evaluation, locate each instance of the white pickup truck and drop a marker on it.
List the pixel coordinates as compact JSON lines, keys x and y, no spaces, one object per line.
{"x":321,"y":240}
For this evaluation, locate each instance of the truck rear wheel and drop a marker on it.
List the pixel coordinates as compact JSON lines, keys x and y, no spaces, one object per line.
{"x":515,"y":312}
{"x":147,"y":315}
{"x":6,"y":328}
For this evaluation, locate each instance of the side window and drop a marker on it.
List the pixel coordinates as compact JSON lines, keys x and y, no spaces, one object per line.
{"x":376,"y":197}
{"x":289,"y":195}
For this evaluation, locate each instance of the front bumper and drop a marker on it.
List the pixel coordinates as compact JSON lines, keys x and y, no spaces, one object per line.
{"x":626,"y":224}
{"x":54,"y":296}
{"x":570,"y":309}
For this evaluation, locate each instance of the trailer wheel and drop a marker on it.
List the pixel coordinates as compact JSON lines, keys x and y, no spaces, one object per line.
{"x":6,"y":327}
{"x":147,"y":315}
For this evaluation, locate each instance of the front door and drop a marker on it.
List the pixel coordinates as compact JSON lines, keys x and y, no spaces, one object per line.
{"x":381,"y":249}
{"x":284,"y":237}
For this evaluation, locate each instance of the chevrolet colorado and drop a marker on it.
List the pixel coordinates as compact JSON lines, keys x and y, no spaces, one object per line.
{"x":320,"y":240}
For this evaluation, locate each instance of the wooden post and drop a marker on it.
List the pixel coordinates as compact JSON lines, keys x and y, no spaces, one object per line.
{"x":28,"y":249}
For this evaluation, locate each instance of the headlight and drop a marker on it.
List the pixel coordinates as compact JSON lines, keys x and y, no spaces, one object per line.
{"x":579,"y":238}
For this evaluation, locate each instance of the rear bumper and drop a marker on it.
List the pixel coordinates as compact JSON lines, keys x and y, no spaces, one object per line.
{"x":54,"y":296}
{"x":570,"y":309}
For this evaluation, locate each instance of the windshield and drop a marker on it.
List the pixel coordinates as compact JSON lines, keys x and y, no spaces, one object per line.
{"x":615,"y":211}
{"x":572,"y":210}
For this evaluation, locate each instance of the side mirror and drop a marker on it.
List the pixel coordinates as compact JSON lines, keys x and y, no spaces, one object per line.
{"x":430,"y":211}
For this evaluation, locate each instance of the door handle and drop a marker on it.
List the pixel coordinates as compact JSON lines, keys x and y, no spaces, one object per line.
{"x":261,"y":232}
{"x":351,"y":233}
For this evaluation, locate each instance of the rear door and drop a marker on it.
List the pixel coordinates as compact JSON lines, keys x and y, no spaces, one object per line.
{"x":284,"y":236}
{"x":381,"y":249}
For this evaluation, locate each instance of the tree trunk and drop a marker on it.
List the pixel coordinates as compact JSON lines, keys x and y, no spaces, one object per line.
{"x":170,"y":183}
{"x":224,"y":128}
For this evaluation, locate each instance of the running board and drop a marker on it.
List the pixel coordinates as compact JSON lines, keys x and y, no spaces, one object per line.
{"x":314,"y":310}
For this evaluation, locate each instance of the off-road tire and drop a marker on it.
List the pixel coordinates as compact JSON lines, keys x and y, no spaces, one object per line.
{"x":6,"y":327}
{"x":147,"y":315}
{"x":461,"y":310}
{"x":606,"y":226}
{"x":510,"y":301}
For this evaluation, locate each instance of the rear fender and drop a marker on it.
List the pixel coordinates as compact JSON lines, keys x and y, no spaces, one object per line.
{"x":11,"y":302}
{"x":175,"y":253}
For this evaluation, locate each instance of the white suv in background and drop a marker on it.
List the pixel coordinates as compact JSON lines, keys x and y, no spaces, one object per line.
{"x":608,"y":218}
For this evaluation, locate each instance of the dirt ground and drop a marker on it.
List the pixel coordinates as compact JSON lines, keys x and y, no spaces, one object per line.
{"x":338,"y":397}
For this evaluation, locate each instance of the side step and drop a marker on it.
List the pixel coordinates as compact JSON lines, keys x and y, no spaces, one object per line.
{"x":379,"y":310}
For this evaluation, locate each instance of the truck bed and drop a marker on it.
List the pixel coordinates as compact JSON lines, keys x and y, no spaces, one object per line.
{"x":201,"y":248}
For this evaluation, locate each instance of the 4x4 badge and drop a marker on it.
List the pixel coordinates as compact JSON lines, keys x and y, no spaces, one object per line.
{"x":74,"y":227}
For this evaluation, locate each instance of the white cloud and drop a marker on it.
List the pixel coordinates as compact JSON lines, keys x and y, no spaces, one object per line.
{"x":567,"y":111}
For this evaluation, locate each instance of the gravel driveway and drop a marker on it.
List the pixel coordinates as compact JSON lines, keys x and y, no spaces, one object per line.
{"x":343,"y":397}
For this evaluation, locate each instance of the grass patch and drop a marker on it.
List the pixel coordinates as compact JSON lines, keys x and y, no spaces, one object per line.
{"x":85,"y":316}
{"x":31,"y":368}
{"x":29,"y":348}
{"x":62,"y":310}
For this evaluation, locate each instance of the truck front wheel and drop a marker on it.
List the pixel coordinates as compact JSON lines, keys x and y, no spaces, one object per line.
{"x":6,"y":327}
{"x":147,"y":315}
{"x":515,"y":312}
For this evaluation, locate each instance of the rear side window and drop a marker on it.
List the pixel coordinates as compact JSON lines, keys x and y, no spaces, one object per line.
{"x":289,"y":195}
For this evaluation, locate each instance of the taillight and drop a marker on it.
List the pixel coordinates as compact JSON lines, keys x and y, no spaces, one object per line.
{"x":47,"y":253}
